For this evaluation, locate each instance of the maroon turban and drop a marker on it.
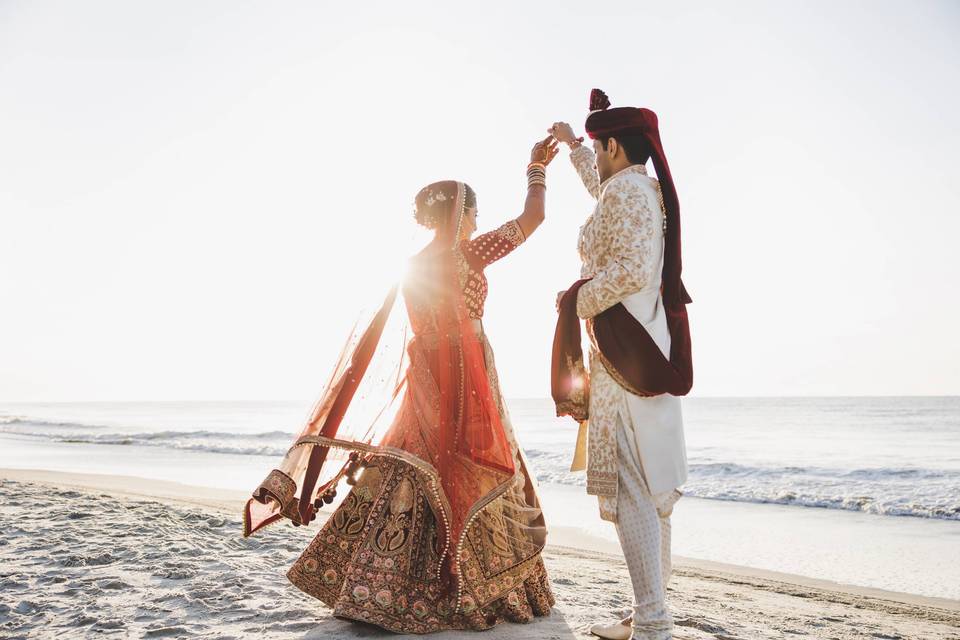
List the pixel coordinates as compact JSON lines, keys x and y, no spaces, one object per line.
{"x":604,"y":122}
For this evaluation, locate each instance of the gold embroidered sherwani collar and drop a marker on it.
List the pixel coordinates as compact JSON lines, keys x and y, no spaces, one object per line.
{"x":634,"y":168}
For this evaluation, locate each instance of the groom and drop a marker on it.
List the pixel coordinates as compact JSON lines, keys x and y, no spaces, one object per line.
{"x":634,"y":303}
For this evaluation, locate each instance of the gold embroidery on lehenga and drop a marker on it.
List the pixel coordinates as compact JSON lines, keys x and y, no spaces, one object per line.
{"x":393,"y":535}
{"x":352,"y":516}
{"x":399,"y":591}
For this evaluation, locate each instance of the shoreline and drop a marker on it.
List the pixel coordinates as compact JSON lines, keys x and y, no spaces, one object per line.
{"x":86,"y":554}
{"x":227,"y":447}
{"x":566,"y":540}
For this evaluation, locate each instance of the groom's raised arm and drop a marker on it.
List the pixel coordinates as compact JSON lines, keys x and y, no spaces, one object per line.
{"x":582,"y":157}
{"x":585,"y":162}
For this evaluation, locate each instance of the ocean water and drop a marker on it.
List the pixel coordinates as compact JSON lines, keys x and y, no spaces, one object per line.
{"x":879,"y":465}
{"x":886,"y":456}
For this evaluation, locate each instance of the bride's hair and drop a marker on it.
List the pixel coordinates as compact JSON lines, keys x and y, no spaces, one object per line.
{"x":433,"y":206}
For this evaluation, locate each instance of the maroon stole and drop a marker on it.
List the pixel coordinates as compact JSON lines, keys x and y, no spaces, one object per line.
{"x":627,"y":351}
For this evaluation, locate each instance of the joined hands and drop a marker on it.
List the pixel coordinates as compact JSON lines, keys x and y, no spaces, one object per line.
{"x":564,"y":133}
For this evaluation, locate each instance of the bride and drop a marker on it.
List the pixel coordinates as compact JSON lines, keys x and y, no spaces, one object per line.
{"x":442,"y":528}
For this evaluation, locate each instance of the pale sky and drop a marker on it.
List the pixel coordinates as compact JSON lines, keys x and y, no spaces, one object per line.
{"x":197,"y":197}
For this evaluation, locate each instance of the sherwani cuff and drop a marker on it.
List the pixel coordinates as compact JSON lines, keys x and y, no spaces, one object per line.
{"x":589,"y":302}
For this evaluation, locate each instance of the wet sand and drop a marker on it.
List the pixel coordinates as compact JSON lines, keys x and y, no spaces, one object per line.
{"x":98,"y":555}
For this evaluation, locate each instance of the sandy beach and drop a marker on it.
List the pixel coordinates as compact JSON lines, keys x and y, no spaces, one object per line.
{"x":88,"y":555}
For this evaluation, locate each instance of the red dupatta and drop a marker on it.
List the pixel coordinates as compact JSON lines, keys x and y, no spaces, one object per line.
{"x":372,"y":403}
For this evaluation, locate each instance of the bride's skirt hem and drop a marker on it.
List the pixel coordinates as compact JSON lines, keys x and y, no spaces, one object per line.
{"x":378,"y":560}
{"x":533,"y":599}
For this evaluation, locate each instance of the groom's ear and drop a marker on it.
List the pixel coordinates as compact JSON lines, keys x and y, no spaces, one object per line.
{"x":613,"y":146}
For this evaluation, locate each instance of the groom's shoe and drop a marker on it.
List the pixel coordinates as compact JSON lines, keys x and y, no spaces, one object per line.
{"x":622,"y":630}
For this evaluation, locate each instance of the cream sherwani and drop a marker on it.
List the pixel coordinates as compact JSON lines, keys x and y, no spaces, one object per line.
{"x":636,"y":456}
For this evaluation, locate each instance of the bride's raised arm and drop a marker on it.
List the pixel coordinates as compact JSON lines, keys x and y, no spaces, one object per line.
{"x":493,"y":245}
{"x":533,"y":208}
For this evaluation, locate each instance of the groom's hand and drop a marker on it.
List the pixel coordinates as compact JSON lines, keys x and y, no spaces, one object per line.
{"x":563,"y":132}
{"x":559,"y":298}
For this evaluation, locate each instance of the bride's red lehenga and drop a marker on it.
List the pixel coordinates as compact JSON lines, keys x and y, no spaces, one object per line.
{"x":442,"y":528}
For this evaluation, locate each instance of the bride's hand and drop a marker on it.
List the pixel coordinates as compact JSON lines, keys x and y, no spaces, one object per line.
{"x":544,"y":151}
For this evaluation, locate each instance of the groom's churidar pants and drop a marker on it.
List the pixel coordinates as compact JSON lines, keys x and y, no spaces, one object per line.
{"x":643,"y":525}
